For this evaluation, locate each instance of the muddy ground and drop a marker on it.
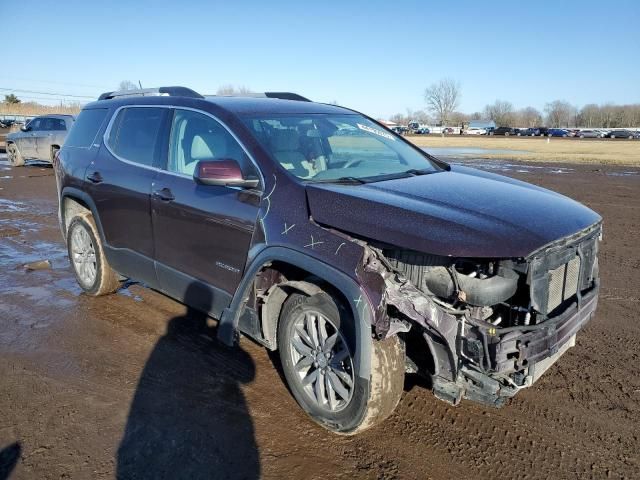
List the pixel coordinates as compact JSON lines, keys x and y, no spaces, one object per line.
{"x":86,"y":382}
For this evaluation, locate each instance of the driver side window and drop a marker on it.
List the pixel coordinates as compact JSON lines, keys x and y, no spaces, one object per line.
{"x":35,"y":125}
{"x":195,"y":137}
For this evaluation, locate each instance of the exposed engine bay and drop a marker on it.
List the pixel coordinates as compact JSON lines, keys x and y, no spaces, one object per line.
{"x":492,"y":326}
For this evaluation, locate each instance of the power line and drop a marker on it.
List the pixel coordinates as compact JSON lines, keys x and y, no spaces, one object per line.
{"x":21,"y":79}
{"x":45,"y":93}
{"x":48,"y":99}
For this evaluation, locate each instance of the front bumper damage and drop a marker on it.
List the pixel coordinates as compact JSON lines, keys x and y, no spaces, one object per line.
{"x":517,"y":358}
{"x":479,"y":362}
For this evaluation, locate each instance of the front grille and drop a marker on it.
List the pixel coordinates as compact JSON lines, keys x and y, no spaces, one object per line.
{"x":563,"y":283}
{"x":558,"y":273}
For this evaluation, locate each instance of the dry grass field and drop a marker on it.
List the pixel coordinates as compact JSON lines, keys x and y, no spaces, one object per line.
{"x":537,"y":149}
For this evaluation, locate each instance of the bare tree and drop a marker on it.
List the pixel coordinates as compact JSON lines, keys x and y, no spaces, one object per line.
{"x":529,"y":117}
{"x":232,"y":90}
{"x":442,"y":98}
{"x":459,"y":118}
{"x":399,"y":118}
{"x":127,"y":85}
{"x":501,"y":112}
{"x":560,"y":114}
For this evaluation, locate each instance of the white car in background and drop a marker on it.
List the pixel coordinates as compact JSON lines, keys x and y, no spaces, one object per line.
{"x":475,"y":131}
{"x":590,"y":134}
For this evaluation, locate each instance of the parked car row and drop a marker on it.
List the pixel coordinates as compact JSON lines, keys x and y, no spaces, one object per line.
{"x":562,"y":132}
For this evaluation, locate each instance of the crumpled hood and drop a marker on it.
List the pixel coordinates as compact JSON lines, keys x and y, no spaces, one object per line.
{"x":463,"y":212}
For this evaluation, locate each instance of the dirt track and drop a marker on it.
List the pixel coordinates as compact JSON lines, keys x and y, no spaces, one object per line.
{"x":130,"y":385}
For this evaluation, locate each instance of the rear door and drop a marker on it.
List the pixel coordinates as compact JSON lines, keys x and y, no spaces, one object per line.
{"x":121,"y":179}
{"x":202,"y":232}
{"x":53,"y":127}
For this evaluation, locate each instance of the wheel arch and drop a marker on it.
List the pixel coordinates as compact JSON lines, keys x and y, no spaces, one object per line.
{"x":321,"y":278}
{"x":78,"y":201}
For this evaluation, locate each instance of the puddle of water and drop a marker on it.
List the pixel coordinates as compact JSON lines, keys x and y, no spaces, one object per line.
{"x":503,"y":166}
{"x":623,"y":174}
{"x":14,"y":253}
{"x":125,"y":292}
{"x":38,"y":295}
{"x":11,"y":206}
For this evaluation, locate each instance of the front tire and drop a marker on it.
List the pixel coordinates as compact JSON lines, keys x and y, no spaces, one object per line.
{"x":14,"y":156}
{"x":317,"y":345}
{"x":93,"y":273}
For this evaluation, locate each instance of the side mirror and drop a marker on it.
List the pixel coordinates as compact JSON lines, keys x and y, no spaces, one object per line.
{"x":225,"y":172}
{"x":25,"y":128}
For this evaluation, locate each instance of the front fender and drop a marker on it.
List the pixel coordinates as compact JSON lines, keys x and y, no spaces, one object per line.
{"x":359,"y":303}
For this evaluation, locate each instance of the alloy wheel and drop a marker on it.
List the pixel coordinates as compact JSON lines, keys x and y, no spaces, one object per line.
{"x":84,"y":256}
{"x":322,"y":361}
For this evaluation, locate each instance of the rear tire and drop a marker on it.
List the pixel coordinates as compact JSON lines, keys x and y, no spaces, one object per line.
{"x":15,"y":159}
{"x":93,"y":273}
{"x":329,"y":387}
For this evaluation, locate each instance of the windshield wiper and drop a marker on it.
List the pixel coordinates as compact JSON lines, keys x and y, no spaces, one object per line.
{"x":418,"y":171}
{"x":344,"y":180}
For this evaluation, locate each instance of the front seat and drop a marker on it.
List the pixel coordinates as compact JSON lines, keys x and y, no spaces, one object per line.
{"x":285,"y":145}
{"x":208,"y":145}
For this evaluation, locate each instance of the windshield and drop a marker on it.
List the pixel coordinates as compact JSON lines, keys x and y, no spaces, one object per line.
{"x":318,"y":147}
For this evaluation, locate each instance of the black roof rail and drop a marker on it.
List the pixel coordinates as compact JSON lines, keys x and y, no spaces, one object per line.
{"x":145,"y":92}
{"x":280,"y":95}
{"x":286,"y":96}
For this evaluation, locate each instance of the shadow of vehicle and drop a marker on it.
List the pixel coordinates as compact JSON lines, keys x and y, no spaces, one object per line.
{"x":8,"y":458}
{"x":189,"y":418}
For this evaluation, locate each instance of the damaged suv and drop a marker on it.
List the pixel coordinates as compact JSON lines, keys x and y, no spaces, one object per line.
{"x":320,"y":233}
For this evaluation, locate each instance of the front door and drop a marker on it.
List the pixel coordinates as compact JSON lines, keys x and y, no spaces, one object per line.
{"x":27,"y":140}
{"x":202,"y":233}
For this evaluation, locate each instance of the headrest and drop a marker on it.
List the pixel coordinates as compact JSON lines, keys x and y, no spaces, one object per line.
{"x":208,"y":146}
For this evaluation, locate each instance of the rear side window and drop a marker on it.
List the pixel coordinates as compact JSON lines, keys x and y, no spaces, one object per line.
{"x":134,"y":135}
{"x":57,"y":124}
{"x":84,"y":130}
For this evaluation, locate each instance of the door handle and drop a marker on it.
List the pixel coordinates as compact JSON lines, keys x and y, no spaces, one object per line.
{"x":94,"y":177}
{"x":164,"y":194}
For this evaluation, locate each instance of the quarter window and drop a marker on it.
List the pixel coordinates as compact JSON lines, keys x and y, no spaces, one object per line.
{"x":86,"y":127}
{"x":195,"y":137}
{"x":135,"y":134}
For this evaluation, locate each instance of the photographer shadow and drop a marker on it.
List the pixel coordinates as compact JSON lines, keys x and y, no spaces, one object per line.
{"x":189,"y":417}
{"x":9,"y":457}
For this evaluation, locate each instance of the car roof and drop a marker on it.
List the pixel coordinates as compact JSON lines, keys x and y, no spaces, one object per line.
{"x":260,"y":105}
{"x":55,"y":115}
{"x":240,"y":106}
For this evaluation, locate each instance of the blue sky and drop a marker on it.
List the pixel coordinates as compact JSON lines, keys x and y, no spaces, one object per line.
{"x":374,"y":56}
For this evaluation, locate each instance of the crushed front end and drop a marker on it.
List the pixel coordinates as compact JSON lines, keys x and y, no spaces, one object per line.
{"x":491,"y":326}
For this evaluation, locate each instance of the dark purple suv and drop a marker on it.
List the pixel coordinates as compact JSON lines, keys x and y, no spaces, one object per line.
{"x":320,"y":233}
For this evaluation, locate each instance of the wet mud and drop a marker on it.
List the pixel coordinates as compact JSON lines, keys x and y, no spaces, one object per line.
{"x":134,"y":385}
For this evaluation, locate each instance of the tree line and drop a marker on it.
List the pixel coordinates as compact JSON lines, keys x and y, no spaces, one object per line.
{"x":442,"y":100}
